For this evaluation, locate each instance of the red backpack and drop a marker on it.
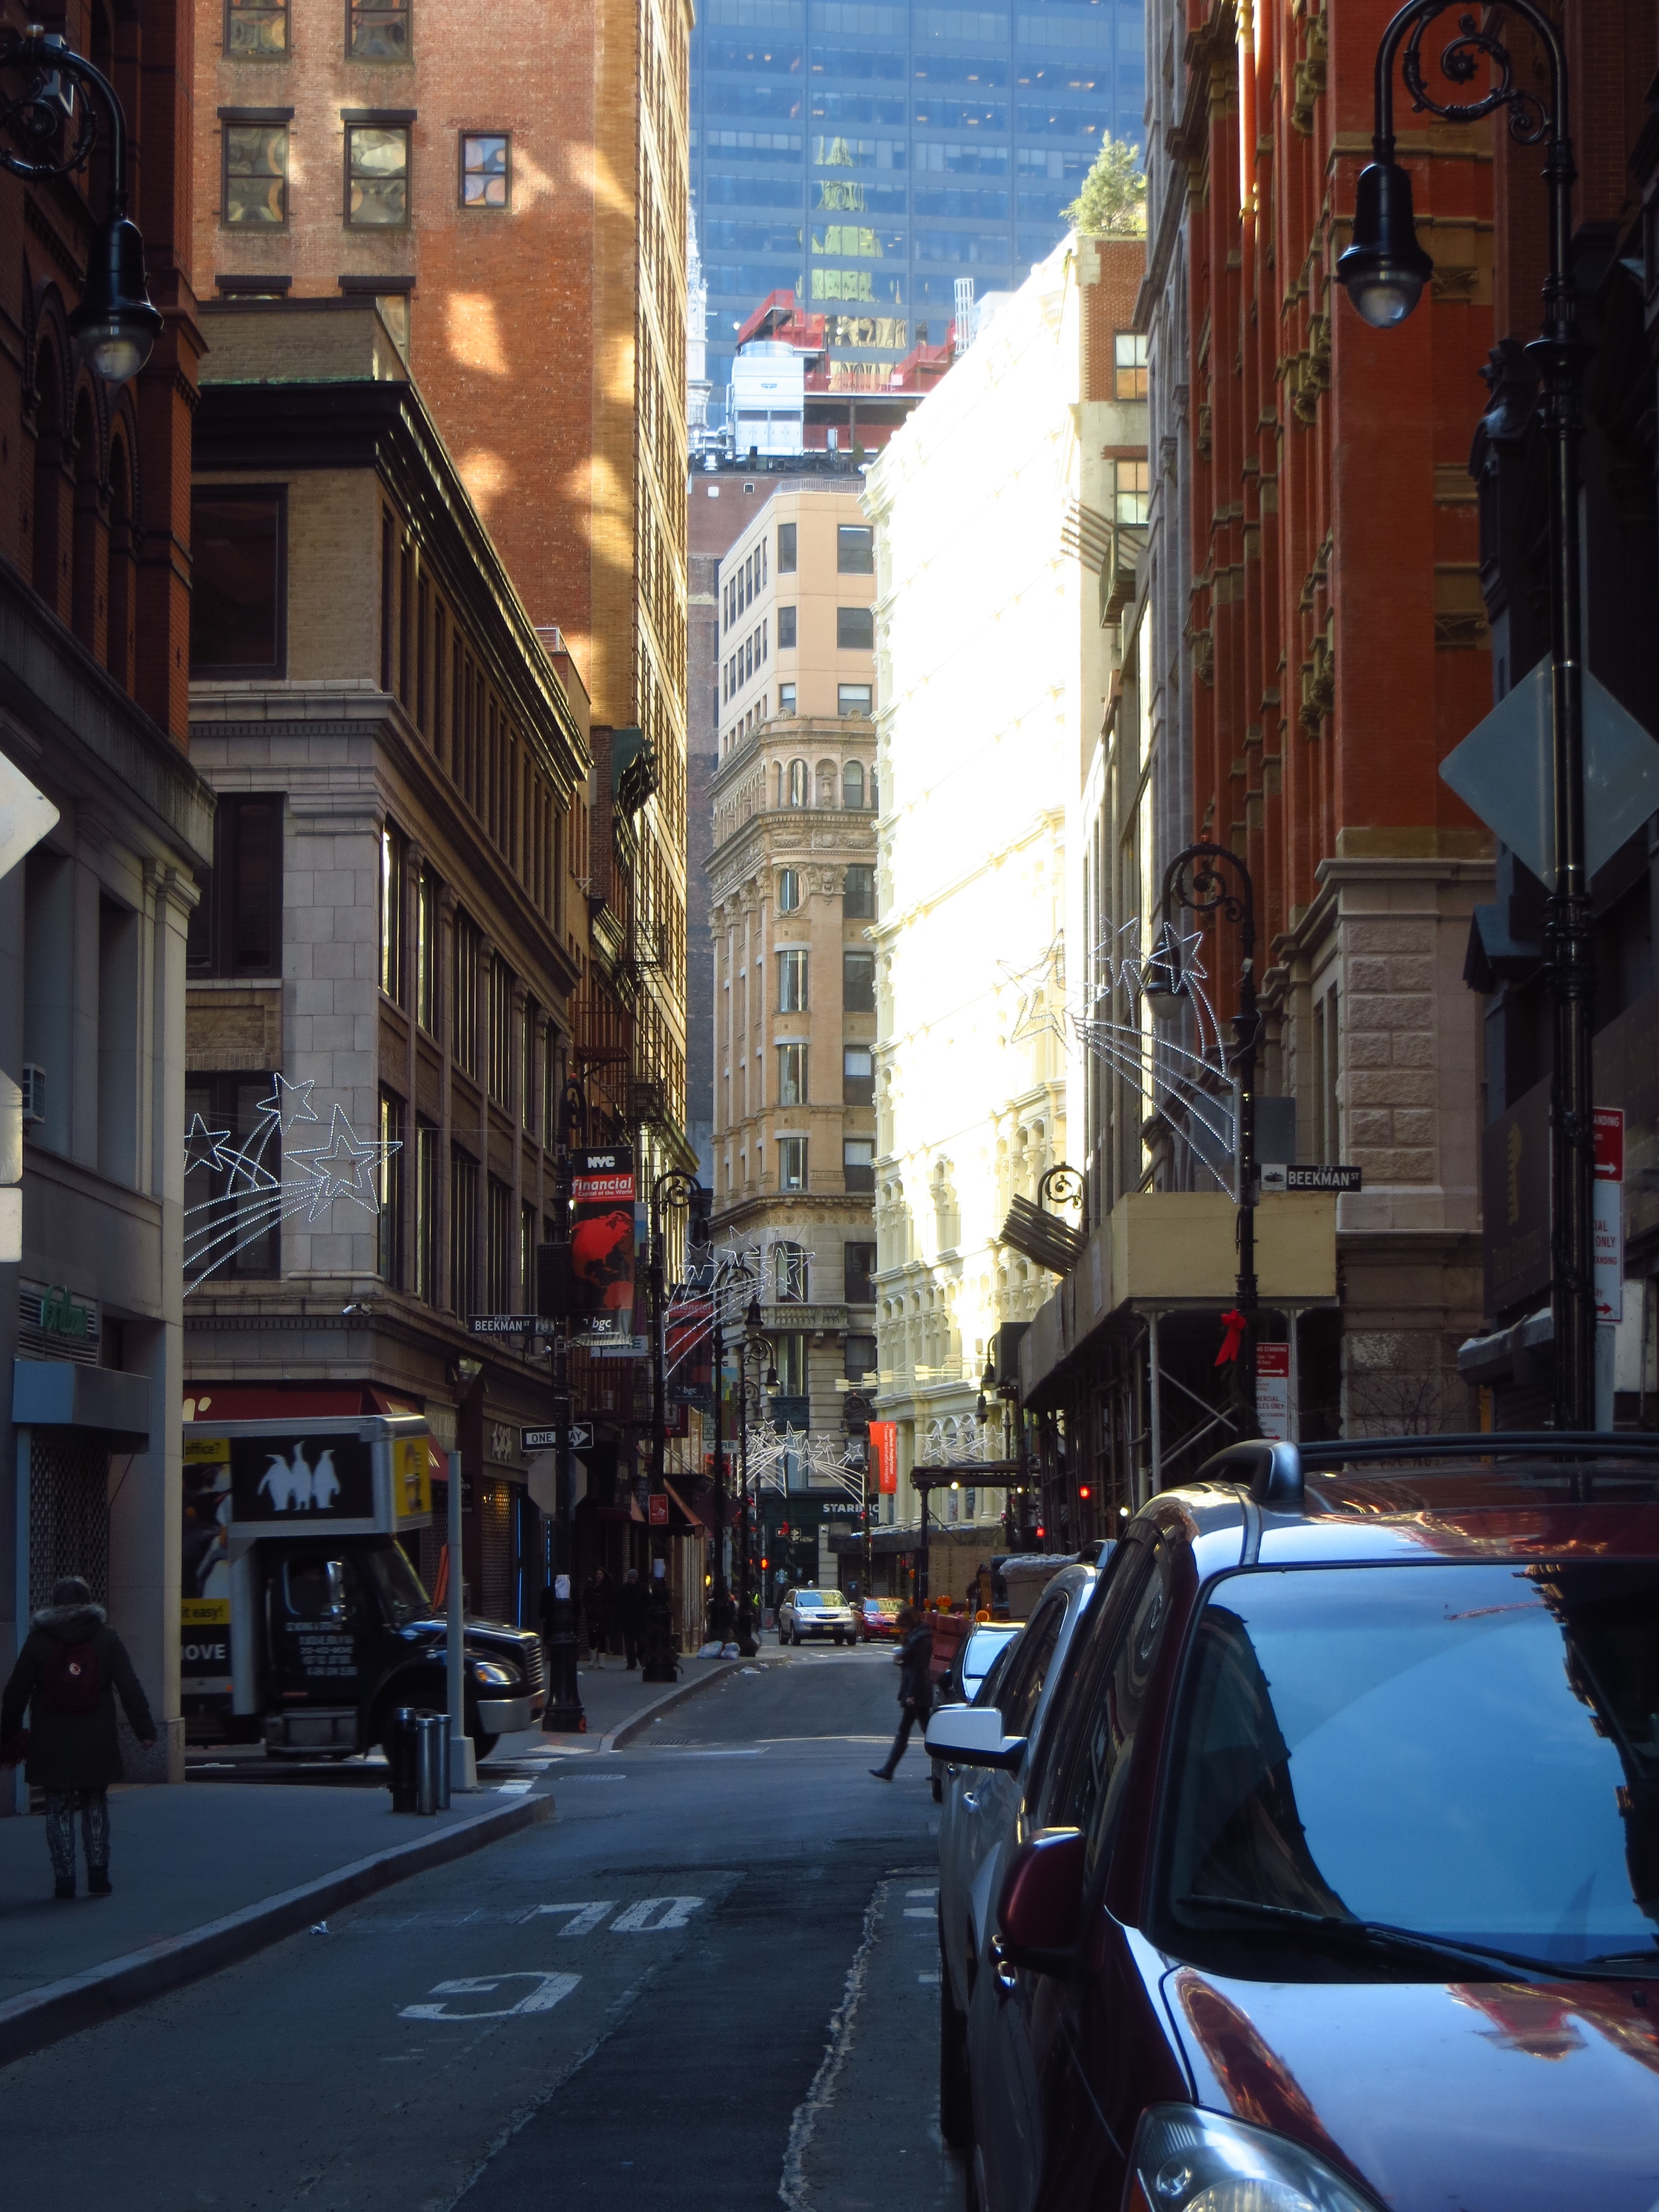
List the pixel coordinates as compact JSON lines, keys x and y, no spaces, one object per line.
{"x":68,"y":1682}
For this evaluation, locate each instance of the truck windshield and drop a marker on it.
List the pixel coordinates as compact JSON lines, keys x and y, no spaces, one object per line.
{"x":1468,"y":1750}
{"x":395,"y":1582}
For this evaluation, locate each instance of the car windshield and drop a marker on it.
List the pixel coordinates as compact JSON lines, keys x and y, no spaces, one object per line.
{"x":1468,"y":1751}
{"x":397,"y":1584}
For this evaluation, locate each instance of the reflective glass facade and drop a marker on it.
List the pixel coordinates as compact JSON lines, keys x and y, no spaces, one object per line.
{"x":865,"y":156}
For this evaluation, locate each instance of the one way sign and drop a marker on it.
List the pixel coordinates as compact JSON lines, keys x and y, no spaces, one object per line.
{"x":541,"y":1440}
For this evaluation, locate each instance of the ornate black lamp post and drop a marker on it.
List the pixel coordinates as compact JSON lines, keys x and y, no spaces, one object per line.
{"x":754,"y":1348}
{"x":1195,"y":883}
{"x":115,"y":326}
{"x":564,"y":1704}
{"x":673,"y":1187}
{"x":1385,"y":271}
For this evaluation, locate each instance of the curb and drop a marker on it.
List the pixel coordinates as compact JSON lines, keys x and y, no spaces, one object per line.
{"x":617,"y":1737}
{"x":28,"y":2023}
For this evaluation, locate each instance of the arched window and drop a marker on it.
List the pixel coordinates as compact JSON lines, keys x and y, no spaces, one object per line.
{"x":123,"y":568}
{"x":797,"y":783}
{"x":789,"y":890}
{"x":789,"y":1273}
{"x":84,"y":592}
{"x":852,"y":784}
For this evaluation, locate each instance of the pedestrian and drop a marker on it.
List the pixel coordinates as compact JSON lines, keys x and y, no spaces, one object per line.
{"x":632,"y":1606}
{"x":914,"y":1660}
{"x":69,"y":1673}
{"x":596,"y":1602}
{"x":721,"y":1614}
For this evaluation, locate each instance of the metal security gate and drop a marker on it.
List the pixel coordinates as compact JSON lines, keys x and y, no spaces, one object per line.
{"x":68,"y":1513}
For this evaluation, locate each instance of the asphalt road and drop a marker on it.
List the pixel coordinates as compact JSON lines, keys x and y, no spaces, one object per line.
{"x":710,"y":1982}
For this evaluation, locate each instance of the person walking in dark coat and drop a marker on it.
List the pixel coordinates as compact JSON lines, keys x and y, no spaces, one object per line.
{"x":67,"y":1676}
{"x":914,"y":1660}
{"x":633,"y":1605}
{"x":595,"y":1604}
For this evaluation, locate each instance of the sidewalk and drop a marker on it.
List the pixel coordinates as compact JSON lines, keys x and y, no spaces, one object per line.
{"x":205,"y":1875}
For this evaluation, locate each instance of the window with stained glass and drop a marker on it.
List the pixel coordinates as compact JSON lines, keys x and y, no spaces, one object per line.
{"x":377,"y":176}
{"x":485,"y":170}
{"x":256,"y":175}
{"x":377,"y":30}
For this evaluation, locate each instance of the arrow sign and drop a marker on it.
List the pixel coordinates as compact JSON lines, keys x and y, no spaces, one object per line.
{"x":579,"y":1439}
{"x":26,"y":815}
{"x":1503,"y":772}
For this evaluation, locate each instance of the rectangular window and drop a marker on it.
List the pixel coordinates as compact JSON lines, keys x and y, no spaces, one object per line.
{"x":855,"y":629}
{"x":377,"y":176}
{"x":786,"y":549}
{"x":857,"y":1076}
{"x":786,"y":628}
{"x":526,"y":1260}
{"x":253,"y":190}
{"x":859,"y":1358}
{"x":238,"y":602}
{"x":1129,"y":365}
{"x":857,"y":982}
{"x":858,"y":1163}
{"x":256,"y":30}
{"x":486,"y":172}
{"x":389,"y":1191}
{"x":425,"y":1211}
{"x":858,"y":897}
{"x":792,"y":1162}
{"x":464,"y":998}
{"x":791,"y":983}
{"x":394,"y":861}
{"x":426,"y":952}
{"x":853,"y":699}
{"x":500,"y":1251}
{"x":785,"y":698}
{"x":237,"y":926}
{"x":859,"y":1285}
{"x":1134,"y":494}
{"x":376,"y":30}
{"x":856,"y":548}
{"x":228,"y":1236}
{"x":463,"y":1233}
{"x":501,"y":1031}
{"x":791,"y":1075}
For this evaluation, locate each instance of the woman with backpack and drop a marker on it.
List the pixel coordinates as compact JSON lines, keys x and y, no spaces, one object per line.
{"x":68,"y":1675}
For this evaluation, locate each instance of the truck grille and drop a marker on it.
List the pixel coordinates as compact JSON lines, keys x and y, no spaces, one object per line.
{"x":535,"y":1665}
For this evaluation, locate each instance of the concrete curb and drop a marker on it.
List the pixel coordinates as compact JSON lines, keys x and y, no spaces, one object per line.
{"x":618,"y":1737}
{"x":28,"y":2023}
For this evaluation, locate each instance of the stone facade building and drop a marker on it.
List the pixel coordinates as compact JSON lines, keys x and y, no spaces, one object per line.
{"x":94,"y":597}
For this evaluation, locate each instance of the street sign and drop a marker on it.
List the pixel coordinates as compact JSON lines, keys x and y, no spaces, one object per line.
{"x":1608,"y":1213}
{"x":657,"y":1510}
{"x":26,"y":815}
{"x":504,"y":1324}
{"x":1273,"y":1392}
{"x":580,"y":1437}
{"x":1504,"y":771}
{"x":1286,"y":1176}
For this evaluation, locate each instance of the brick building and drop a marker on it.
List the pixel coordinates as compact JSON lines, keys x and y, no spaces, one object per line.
{"x":524,"y":225}
{"x":95,"y":596}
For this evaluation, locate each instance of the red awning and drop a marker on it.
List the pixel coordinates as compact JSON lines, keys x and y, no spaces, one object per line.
{"x":695,"y":1515}
{"x":304,"y":1401}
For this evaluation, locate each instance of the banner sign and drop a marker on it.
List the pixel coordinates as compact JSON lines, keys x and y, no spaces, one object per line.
{"x":689,"y":1345}
{"x":602,"y":1246}
{"x":884,"y":1449}
{"x":1273,"y":1392}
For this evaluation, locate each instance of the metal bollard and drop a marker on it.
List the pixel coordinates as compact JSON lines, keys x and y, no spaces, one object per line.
{"x":401,"y":1749}
{"x":432,"y":1769}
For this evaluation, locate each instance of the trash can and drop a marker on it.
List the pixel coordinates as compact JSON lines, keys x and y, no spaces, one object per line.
{"x":402,"y":1751}
{"x":432,"y":1767}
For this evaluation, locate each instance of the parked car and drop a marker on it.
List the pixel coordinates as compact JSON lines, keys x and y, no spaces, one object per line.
{"x":806,"y":1613}
{"x":1338,"y":1863}
{"x":878,"y":1620}
{"x":970,"y":1663}
{"x":977,"y":1825}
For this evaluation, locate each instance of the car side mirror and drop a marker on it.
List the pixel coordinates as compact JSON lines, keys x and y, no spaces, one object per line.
{"x":971,"y":1735}
{"x":1041,"y":1903}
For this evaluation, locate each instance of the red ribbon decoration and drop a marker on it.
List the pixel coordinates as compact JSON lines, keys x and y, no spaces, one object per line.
{"x":1235,"y":1324}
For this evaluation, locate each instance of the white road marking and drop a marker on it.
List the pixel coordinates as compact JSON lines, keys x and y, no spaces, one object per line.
{"x":931,"y":1890}
{"x":589,"y":1915}
{"x":549,"y":1989}
{"x":638,"y":1920}
{"x":931,"y":1979}
{"x":514,"y":1788}
{"x":919,"y":1912}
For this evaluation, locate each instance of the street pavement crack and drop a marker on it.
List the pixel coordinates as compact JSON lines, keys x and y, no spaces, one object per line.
{"x":793,"y":2189}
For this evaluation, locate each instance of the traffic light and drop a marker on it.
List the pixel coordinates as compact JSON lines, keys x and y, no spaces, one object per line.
{"x":1085,"y":1491}
{"x":699,"y":1214}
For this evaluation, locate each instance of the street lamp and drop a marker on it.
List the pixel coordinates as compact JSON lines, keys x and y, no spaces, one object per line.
{"x":1385,"y":271}
{"x":553,"y":1293}
{"x":114,"y":325}
{"x":672,"y":1188}
{"x":754,"y":1347}
{"x":1194,"y":882}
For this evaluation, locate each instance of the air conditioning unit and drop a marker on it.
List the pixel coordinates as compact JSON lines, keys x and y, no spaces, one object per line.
{"x":34,"y":1092}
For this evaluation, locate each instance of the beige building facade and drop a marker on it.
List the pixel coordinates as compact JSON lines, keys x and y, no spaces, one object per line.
{"x":797,"y":636}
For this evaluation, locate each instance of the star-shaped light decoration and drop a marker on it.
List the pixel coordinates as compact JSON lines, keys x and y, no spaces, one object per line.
{"x":202,"y":1145}
{"x":290,"y":1102}
{"x":1041,"y":988}
{"x":346,"y":1167}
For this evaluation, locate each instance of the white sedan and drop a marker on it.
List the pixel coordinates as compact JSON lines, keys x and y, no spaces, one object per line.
{"x":806,"y":1613}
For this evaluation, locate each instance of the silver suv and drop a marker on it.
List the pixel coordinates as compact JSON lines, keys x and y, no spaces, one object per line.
{"x":806,"y":1613}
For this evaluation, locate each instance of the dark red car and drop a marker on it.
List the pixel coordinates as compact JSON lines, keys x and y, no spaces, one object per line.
{"x":1337,"y":1888}
{"x":878,"y":1620}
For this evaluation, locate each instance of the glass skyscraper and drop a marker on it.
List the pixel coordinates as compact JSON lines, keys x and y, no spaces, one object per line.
{"x":866,"y":156}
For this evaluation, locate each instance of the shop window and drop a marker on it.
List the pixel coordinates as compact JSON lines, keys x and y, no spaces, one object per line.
{"x":237,"y":926}
{"x":855,"y":629}
{"x":253,"y":186}
{"x":486,"y":172}
{"x":858,"y":897}
{"x":238,"y":602}
{"x":858,"y":1077}
{"x":377,"y":30}
{"x":857,"y":982}
{"x":377,"y":176}
{"x":256,"y":30}
{"x":855,"y":553}
{"x":858,"y":1164}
